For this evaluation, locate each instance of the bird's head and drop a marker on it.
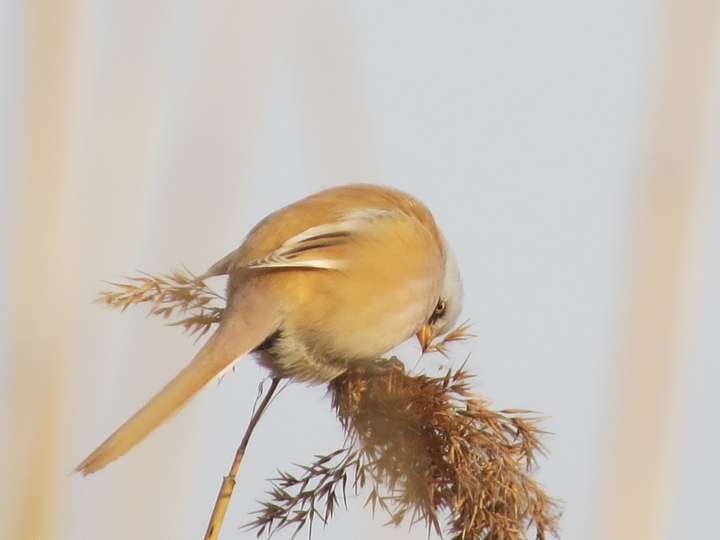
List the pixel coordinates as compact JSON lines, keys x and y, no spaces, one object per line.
{"x":448,"y":306}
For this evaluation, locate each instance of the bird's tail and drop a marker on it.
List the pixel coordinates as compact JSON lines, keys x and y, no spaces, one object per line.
{"x":232,"y":340}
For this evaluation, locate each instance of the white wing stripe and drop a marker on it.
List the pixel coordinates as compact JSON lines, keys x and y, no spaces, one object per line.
{"x":324,"y":264}
{"x":320,"y":236}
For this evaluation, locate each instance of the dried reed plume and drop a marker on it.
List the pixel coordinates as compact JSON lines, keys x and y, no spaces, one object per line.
{"x":428,"y":449}
{"x":179,"y":292}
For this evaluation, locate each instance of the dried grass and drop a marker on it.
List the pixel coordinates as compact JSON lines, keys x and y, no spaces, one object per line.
{"x":461,"y":333}
{"x":426,"y":449}
{"x":168,"y":295}
{"x":430,"y":452}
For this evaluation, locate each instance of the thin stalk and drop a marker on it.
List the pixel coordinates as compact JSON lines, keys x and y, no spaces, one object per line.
{"x":228,"y":483}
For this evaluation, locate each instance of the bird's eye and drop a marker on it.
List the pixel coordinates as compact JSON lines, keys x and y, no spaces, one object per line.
{"x":439,"y":310}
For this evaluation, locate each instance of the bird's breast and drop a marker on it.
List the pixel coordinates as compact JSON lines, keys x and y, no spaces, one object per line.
{"x":336,"y":326}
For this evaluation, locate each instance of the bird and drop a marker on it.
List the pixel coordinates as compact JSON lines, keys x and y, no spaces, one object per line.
{"x":336,"y":279}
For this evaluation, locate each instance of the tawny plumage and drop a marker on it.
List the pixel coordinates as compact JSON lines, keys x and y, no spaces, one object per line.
{"x":339,"y":277}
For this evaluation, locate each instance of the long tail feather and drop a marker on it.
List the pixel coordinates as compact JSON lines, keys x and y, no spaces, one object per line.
{"x":228,"y":343}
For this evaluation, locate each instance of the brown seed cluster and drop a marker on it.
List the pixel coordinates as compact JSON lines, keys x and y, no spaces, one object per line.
{"x":430,"y":452}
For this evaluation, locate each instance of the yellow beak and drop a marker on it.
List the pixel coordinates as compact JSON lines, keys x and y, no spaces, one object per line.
{"x":425,"y":337}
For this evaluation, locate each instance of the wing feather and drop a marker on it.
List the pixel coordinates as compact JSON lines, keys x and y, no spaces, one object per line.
{"x":308,"y":249}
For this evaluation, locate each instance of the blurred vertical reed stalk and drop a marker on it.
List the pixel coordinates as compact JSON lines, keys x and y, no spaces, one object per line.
{"x":637,"y":487}
{"x":333,"y":96}
{"x":42,"y":317}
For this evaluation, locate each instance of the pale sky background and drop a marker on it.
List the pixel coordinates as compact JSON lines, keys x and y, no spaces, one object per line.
{"x":521,"y":124}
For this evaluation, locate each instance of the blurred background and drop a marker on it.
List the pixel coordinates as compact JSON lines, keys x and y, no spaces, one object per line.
{"x":568,"y":150}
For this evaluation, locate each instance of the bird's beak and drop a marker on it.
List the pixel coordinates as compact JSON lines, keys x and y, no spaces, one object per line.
{"x":425,"y":337}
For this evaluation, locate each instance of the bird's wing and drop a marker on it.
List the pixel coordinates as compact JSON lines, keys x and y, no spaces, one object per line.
{"x":305,"y":233}
{"x":239,"y":333}
{"x":308,"y":249}
{"x":300,"y":251}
